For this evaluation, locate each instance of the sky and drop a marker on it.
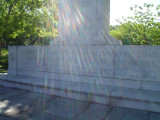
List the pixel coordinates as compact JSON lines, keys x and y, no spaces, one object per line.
{"x":121,"y":8}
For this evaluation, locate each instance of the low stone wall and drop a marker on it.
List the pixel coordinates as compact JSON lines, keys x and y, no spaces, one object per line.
{"x":136,"y":67}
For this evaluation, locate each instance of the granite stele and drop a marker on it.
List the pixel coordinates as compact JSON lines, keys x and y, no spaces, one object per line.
{"x":86,"y":63}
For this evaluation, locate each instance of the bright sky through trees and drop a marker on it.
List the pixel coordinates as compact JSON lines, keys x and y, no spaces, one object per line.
{"x":121,"y":8}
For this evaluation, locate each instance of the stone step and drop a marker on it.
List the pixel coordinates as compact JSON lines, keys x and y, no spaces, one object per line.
{"x":137,"y":99}
{"x":115,"y":96}
{"x":59,"y":88}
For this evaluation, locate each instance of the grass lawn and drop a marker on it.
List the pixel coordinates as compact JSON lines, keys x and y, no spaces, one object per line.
{"x":4,"y":61}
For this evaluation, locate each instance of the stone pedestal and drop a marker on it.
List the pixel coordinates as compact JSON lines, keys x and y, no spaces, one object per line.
{"x":84,"y":22}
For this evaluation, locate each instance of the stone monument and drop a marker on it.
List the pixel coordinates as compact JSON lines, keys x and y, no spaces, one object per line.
{"x":85,"y":22}
{"x":85,"y":63}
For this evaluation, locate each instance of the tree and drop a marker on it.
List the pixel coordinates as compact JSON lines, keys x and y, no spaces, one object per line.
{"x":24,"y":22}
{"x":141,"y":29}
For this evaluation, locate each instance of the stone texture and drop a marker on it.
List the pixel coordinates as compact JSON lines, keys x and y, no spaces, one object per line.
{"x":78,"y":95}
{"x":39,"y":74}
{"x":87,"y":61}
{"x":39,"y":104}
{"x":126,"y":114}
{"x":24,"y":87}
{"x":86,"y":23}
{"x":118,"y":83}
{"x":11,"y":94}
{"x":35,"y":106}
{"x":53,"y":59}
{"x":4,"y":90}
{"x":88,"y":88}
{"x":137,"y":62}
{"x":155,"y":86}
{"x":69,"y":108}
{"x":32,"y":58}
{"x":14,"y":106}
{"x":141,"y":95}
{"x":6,"y":118}
{"x":37,"y":96}
{"x":53,"y":76}
{"x":12,"y":58}
{"x":8,"y":84}
{"x":154,"y":116}
{"x":108,"y":70}
{"x":135,"y":104}
{"x":76,"y":78}
{"x":94,"y":112}
{"x":22,"y":72}
{"x":57,"y":92}
{"x":45,"y":116}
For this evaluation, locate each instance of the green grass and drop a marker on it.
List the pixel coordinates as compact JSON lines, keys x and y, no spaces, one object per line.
{"x":4,"y":61}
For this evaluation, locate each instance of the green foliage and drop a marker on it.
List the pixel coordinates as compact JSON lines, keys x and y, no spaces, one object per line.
{"x":4,"y":61}
{"x":28,"y":22}
{"x":141,"y":29}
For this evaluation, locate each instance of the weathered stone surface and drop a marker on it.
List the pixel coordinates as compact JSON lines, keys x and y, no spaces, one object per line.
{"x":35,"y":106}
{"x":126,"y":114}
{"x":40,"y":102}
{"x":11,"y":94}
{"x":53,"y":59}
{"x":22,"y":72}
{"x":59,"y":106}
{"x":88,"y":88}
{"x":8,"y":84}
{"x":80,"y":19}
{"x":32,"y":58}
{"x":12,"y":58}
{"x":71,"y":60}
{"x":155,"y":86}
{"x":14,"y":79}
{"x":24,"y":87}
{"x":39,"y":74}
{"x":6,"y":118}
{"x":86,"y":60}
{"x":135,"y":104}
{"x":89,"y":72}
{"x":37,"y":96}
{"x":13,"y":106}
{"x":118,"y":83}
{"x":141,"y":63}
{"x":57,"y":92}
{"x":94,"y":112}
{"x":137,"y":62}
{"x":154,"y":116}
{"x":84,"y":23}
{"x":4,"y":90}
{"x":76,"y":78}
{"x":14,"y":115}
{"x":141,"y":95}
{"x":78,"y":95}
{"x":45,"y":116}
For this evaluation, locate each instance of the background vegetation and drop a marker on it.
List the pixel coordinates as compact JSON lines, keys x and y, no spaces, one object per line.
{"x":27,"y":22}
{"x":141,"y":29}
{"x":4,"y":61}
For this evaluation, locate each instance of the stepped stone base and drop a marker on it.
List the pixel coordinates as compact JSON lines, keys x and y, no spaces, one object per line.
{"x":125,"y":76}
{"x":114,"y":96}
